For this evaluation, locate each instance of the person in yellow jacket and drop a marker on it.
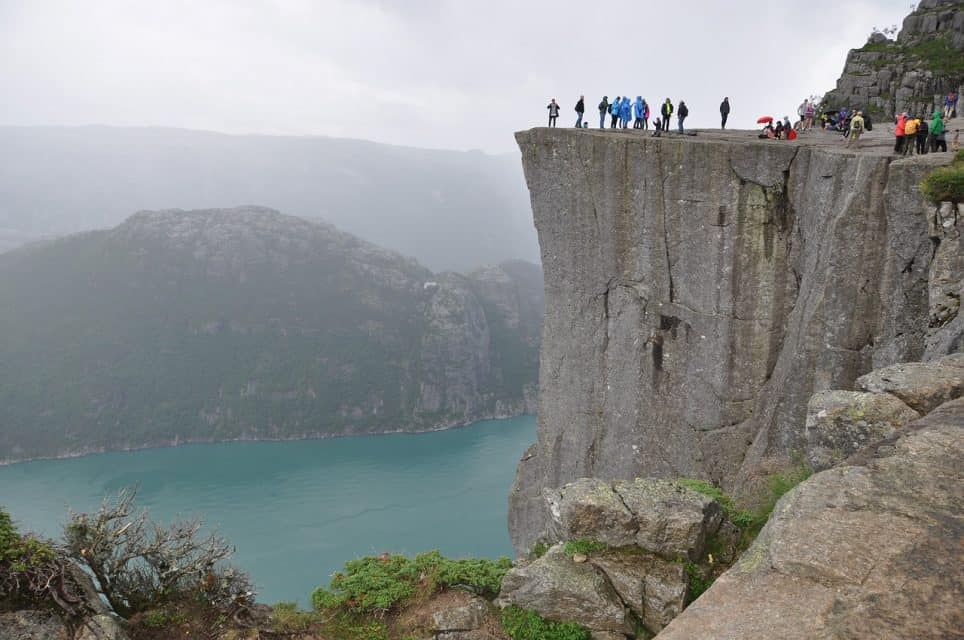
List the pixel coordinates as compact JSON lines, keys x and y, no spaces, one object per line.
{"x":910,"y":134}
{"x":856,"y":129}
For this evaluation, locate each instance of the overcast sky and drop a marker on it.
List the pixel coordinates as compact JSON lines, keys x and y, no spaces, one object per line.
{"x":454,"y":74}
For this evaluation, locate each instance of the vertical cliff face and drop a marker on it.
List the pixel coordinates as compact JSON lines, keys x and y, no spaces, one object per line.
{"x":699,"y":290}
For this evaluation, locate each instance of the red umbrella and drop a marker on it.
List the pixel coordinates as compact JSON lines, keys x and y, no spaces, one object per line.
{"x":765,"y":120}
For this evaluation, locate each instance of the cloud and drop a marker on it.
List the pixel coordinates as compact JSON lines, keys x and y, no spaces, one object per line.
{"x":435,"y":73}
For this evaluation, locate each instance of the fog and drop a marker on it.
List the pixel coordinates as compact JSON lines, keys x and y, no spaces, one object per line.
{"x":428,"y":73}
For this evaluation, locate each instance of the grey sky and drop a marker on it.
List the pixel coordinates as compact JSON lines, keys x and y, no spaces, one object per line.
{"x":434,"y":73}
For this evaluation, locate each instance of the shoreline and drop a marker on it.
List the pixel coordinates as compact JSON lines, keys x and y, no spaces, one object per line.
{"x":445,"y":426}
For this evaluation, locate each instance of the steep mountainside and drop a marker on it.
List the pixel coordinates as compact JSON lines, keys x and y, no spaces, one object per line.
{"x":448,"y":209}
{"x":913,"y":72}
{"x":699,"y":290}
{"x":245,"y":323}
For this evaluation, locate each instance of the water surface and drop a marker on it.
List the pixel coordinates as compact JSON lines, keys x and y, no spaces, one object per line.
{"x":298,"y":510}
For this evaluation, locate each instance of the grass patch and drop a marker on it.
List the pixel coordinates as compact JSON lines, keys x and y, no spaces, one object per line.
{"x":379,"y":584}
{"x":945,"y":184}
{"x":697,"y":581}
{"x":287,"y":618}
{"x":584,"y":546}
{"x":539,"y":549}
{"x":522,"y":624}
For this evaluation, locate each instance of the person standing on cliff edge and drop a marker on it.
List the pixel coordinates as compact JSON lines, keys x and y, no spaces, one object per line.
{"x":681,"y":114}
{"x":553,"y":108}
{"x":899,"y":133}
{"x":724,"y":112}
{"x":667,"y":112}
{"x":580,"y":109}
{"x":856,"y":129}
{"x":603,"y":110}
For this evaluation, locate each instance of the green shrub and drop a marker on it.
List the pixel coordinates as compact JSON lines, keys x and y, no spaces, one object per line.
{"x":521,"y":624}
{"x":372,"y":584}
{"x":696,"y":581}
{"x":288,"y":619}
{"x":737,"y":516}
{"x":945,"y":184}
{"x":31,"y":568}
{"x":157,"y":619}
{"x":584,"y":546}
{"x":540,"y":549}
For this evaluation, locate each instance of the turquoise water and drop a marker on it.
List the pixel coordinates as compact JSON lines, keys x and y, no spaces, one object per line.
{"x":298,"y":510}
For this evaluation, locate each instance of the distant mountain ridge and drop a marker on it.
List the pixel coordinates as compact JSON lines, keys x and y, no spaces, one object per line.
{"x":245,"y":323}
{"x":448,"y":209}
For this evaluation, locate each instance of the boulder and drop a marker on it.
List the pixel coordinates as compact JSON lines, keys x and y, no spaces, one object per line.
{"x":921,"y":385}
{"x":839,"y":423}
{"x":589,"y":508}
{"x":654,"y":589}
{"x":465,"y":617}
{"x":672,"y":520}
{"x":863,"y":551}
{"x":559,"y":589}
{"x":101,"y":627}
{"x":32,"y":625}
{"x":475,"y":634}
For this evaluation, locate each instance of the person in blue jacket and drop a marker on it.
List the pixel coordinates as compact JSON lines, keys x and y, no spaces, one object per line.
{"x":614,"y":112}
{"x":639,"y":110}
{"x":626,"y":111}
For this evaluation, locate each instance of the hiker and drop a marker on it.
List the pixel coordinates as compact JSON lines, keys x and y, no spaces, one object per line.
{"x":614,"y":112}
{"x":778,"y":130}
{"x":553,"y":108}
{"x":923,"y":129}
{"x":938,"y":141}
{"x":910,"y":135}
{"x":724,"y":112}
{"x":580,"y":109}
{"x":802,"y":113}
{"x":856,"y":129}
{"x":950,"y":105}
{"x":899,"y":132}
{"x":787,"y":127}
{"x":603,"y":110}
{"x":667,"y":112}
{"x":808,"y":116}
{"x":645,"y":115}
{"x":625,"y":112}
{"x":639,"y":111}
{"x":681,"y":114}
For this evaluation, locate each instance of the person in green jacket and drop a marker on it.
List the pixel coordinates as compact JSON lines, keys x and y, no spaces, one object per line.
{"x":937,"y":138}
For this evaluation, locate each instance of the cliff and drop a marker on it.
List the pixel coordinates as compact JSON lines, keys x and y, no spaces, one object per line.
{"x":181,"y":326}
{"x":699,"y":290}
{"x":913,"y":72}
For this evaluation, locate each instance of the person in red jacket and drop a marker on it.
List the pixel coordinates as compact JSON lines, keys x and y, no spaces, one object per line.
{"x":899,"y":133}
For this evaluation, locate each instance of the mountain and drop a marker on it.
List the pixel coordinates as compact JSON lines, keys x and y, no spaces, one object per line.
{"x":448,"y":209}
{"x":913,"y":72}
{"x":246,"y":323}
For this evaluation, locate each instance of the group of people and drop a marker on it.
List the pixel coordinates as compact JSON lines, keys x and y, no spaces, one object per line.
{"x":622,"y":111}
{"x":782,"y":130}
{"x":912,"y":133}
{"x":915,"y":133}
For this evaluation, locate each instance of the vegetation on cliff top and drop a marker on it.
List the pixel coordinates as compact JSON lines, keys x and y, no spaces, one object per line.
{"x":945,"y":184}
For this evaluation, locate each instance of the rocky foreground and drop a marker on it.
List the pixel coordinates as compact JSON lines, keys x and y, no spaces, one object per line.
{"x":700,"y":289}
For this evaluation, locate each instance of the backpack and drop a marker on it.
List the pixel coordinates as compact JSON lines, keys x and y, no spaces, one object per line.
{"x":868,"y":125}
